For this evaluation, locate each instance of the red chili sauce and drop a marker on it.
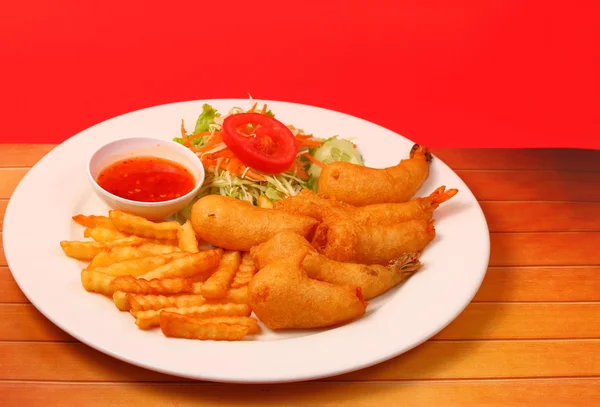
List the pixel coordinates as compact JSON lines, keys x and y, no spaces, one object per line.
{"x":146,"y":179}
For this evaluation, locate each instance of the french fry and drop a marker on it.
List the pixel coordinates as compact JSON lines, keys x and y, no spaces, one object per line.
{"x":93,"y":221}
{"x":143,"y":302}
{"x":96,"y":282}
{"x":234,"y":295}
{"x":195,"y":263}
{"x":120,"y":300}
{"x":137,"y":267}
{"x":200,"y":278}
{"x":136,"y":225}
{"x":232,"y":320}
{"x":150,"y":318}
{"x":245,"y":272}
{"x":165,"y":286}
{"x":187,"y":238}
{"x":183,"y":326}
{"x":119,"y":254}
{"x":89,"y":250}
{"x":100,"y":234}
{"x":217,"y":284}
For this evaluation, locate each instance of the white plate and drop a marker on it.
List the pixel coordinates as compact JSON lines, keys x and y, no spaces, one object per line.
{"x":39,"y":214}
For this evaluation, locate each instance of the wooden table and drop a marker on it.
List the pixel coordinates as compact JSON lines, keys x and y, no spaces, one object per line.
{"x":531,"y":336}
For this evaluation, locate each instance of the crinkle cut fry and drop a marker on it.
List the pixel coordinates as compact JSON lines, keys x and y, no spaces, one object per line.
{"x":151,"y":318}
{"x":183,"y":326}
{"x":158,"y":286}
{"x":136,"y":225}
{"x":245,"y":272}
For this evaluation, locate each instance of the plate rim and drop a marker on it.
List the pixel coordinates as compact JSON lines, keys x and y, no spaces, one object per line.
{"x":9,"y":216}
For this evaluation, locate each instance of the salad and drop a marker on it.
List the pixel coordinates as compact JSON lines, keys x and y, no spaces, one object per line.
{"x":252,"y":156}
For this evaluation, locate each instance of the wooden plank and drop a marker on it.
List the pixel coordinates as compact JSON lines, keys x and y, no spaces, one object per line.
{"x":22,"y":322}
{"x":468,"y":393}
{"x":520,"y":159}
{"x":3,"y":205}
{"x":542,"y":216}
{"x":540,"y":284}
{"x":545,"y":249}
{"x":525,"y":321}
{"x":9,"y":179}
{"x":533,"y":185}
{"x":2,"y":256}
{"x":489,"y":359}
{"x":68,"y":361}
{"x":9,"y":290}
{"x":23,"y":155}
{"x":432,"y":360}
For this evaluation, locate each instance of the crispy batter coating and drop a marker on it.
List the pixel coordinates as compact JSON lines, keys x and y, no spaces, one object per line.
{"x":238,"y":225}
{"x":323,"y":208}
{"x":359,"y":186}
{"x":373,"y":279}
{"x":346,"y":241}
{"x":282,"y":296}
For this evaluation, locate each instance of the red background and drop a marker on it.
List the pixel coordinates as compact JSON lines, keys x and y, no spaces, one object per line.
{"x":445,"y":73}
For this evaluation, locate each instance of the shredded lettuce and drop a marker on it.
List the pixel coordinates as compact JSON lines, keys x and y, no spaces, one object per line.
{"x":275,"y":187}
{"x":206,"y":118}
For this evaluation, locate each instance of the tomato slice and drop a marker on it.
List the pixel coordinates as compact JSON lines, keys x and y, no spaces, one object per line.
{"x":260,"y":141}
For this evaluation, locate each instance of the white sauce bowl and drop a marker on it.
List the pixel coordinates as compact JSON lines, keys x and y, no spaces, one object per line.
{"x":145,"y":147}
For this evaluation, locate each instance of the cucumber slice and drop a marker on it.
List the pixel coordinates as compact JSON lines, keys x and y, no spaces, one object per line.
{"x":335,"y":150}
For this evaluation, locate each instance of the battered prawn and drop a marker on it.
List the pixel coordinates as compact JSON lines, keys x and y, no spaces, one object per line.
{"x":373,"y":279}
{"x":322,"y":208}
{"x":282,"y":296}
{"x":359,"y":186}
{"x":233,"y":224}
{"x":346,"y":241}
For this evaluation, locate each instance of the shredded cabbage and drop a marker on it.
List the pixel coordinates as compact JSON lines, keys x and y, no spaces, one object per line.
{"x":222,"y":182}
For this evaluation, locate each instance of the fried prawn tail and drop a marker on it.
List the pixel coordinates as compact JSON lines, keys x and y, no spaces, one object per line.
{"x":440,"y":195}
{"x":407,"y":263}
{"x":419,"y":151}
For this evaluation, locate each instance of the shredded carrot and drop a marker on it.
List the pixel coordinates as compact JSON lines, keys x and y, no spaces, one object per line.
{"x":309,"y":143}
{"x":225,"y":153}
{"x":233,"y":165}
{"x":183,"y":136}
{"x":212,"y":142}
{"x":314,"y":160}
{"x":255,"y":176}
{"x":264,"y":109}
{"x":303,"y":136}
{"x":188,"y":141}
{"x":302,"y":174}
{"x":253,"y":107}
